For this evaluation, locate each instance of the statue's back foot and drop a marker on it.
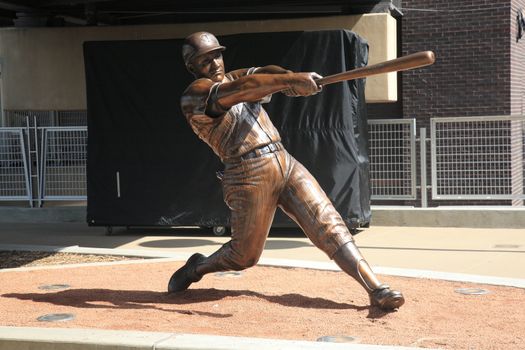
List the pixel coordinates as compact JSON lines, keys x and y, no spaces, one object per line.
{"x":186,"y":275}
{"x":386,"y":299}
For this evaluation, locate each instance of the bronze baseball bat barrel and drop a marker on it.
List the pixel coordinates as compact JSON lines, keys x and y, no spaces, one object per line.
{"x":415,"y":60}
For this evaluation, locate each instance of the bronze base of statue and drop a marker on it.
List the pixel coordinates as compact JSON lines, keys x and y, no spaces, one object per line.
{"x":186,"y":275}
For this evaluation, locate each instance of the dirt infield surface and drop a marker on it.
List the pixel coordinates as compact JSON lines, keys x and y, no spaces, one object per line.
{"x":269,"y":302}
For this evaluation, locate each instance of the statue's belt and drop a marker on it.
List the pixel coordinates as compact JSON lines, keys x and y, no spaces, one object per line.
{"x":270,"y":148}
{"x":257,"y":152}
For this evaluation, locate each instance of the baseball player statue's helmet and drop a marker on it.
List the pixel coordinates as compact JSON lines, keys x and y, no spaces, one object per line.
{"x":198,"y":44}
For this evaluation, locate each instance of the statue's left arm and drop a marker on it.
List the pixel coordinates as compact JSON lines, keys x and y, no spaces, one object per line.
{"x":270,"y":69}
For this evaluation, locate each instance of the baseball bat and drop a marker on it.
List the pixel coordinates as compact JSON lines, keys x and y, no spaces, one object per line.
{"x":415,"y":60}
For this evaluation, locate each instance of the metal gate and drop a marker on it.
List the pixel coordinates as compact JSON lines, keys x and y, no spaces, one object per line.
{"x":15,"y":182}
{"x":43,"y":163}
{"x":392,"y":158}
{"x":63,"y":165}
{"x":478,"y":157}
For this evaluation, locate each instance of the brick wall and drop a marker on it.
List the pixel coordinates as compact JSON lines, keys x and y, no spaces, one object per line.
{"x":472,"y":73}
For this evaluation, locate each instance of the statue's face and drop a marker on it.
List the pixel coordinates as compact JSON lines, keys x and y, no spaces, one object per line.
{"x":209,"y":65}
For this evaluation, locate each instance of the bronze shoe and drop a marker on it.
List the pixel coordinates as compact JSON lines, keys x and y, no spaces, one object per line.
{"x":385,"y":298}
{"x":186,"y":275}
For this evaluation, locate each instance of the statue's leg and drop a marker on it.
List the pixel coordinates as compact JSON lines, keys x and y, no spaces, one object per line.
{"x":306,"y":203}
{"x":350,"y":260}
{"x":250,"y":193}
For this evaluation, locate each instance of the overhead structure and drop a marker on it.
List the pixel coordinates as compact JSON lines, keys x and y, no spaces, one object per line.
{"x":56,"y":13}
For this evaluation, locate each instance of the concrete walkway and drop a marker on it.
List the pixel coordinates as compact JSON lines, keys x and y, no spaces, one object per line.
{"x":26,"y":338}
{"x":490,"y":252}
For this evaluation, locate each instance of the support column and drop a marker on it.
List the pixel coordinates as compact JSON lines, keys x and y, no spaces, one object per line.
{"x":517,"y":153}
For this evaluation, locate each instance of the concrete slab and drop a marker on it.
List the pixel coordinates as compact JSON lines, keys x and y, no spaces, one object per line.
{"x":491,"y":252}
{"x":42,"y":215}
{"x":30,"y":338}
{"x":457,"y":216}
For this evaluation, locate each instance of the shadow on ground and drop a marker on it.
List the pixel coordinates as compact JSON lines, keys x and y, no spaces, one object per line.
{"x":143,"y":299}
{"x":271,"y":244}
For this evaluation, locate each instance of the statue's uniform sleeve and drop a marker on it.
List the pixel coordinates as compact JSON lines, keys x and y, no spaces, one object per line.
{"x":194,"y":102}
{"x":236,"y":74}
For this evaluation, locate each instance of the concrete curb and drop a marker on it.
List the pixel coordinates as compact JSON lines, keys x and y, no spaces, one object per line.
{"x":414,"y":273}
{"x":28,"y":338}
{"x":163,"y":256}
{"x":449,"y":216}
{"x":76,"y":214}
{"x":451,"y":276}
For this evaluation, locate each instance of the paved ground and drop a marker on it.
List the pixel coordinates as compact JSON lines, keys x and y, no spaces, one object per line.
{"x":491,"y":252}
{"x":264,"y":302}
{"x":499,"y":253}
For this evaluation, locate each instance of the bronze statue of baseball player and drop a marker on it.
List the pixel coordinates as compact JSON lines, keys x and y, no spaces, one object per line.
{"x":225,"y":111}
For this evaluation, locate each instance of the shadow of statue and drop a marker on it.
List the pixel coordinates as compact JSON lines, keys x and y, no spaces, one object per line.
{"x":109,"y":299}
{"x":143,"y":299}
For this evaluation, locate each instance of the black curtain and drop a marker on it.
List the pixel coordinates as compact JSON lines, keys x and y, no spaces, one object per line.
{"x":147,"y":167}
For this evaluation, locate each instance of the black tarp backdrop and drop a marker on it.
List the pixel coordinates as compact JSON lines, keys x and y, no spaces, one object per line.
{"x":147,"y":167}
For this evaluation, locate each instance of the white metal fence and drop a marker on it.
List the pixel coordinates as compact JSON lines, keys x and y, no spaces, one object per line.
{"x":15,"y":183}
{"x":43,"y":163}
{"x":392,"y":158}
{"x":64,"y":156}
{"x":478,"y":158}
{"x":472,"y":158}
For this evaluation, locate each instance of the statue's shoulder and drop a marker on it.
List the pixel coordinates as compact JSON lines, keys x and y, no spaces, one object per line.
{"x":194,"y":98}
{"x":199,"y":87}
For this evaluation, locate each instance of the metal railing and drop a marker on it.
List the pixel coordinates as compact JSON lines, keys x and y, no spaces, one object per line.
{"x":15,"y":183}
{"x":471,"y":158}
{"x":392,"y":158}
{"x":43,"y":163}
{"x":478,"y":158}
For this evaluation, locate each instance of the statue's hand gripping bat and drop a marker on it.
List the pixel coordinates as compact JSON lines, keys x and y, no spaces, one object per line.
{"x":415,"y":60}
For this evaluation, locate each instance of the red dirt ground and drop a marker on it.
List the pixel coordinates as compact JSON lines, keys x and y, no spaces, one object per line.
{"x":269,"y":302}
